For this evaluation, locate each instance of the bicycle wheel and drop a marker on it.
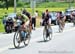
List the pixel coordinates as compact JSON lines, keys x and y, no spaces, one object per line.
{"x":7,"y":29}
{"x":27,"y":39}
{"x":60,"y":27}
{"x":16,"y":39}
{"x":74,"y":22}
{"x":50,"y":34}
{"x":44,"y":35}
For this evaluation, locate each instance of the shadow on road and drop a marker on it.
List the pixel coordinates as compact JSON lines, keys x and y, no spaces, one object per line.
{"x":59,"y":32}
{"x":42,"y":41}
{"x":17,"y":48}
{"x":5,"y":33}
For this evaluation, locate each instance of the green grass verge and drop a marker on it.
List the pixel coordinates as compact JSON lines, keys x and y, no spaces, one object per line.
{"x":1,"y":26}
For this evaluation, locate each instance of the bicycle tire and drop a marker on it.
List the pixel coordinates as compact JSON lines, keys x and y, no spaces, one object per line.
{"x":14,"y":39}
{"x":44,"y":35}
{"x":50,"y":35}
{"x":27,"y":38}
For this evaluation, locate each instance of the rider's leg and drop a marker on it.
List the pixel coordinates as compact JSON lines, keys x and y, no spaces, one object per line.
{"x":63,"y":23}
{"x":74,"y":21}
{"x":23,"y":33}
{"x":30,"y":27}
{"x":49,"y":26}
{"x":60,"y":25}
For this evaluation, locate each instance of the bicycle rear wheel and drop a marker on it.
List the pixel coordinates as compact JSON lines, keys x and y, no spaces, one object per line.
{"x":50,"y":34}
{"x":16,"y":39}
{"x":27,"y":39}
{"x":44,"y":35}
{"x":60,"y":27}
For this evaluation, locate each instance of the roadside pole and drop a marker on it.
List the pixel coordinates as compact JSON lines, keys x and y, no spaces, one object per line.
{"x":14,"y":6}
{"x":33,"y":5}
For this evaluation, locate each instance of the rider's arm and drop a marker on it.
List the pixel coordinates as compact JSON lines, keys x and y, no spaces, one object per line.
{"x":25,"y":18}
{"x":50,"y":19}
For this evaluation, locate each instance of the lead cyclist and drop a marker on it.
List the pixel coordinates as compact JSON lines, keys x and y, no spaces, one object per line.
{"x":21,"y":22}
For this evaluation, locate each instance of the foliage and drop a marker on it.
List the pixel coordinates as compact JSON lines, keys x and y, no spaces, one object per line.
{"x":2,"y":4}
{"x":23,"y":4}
{"x":53,"y":4}
{"x":10,"y":2}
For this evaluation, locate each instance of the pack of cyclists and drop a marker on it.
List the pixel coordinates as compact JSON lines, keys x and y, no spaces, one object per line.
{"x":60,"y":18}
{"x":8,"y":23}
{"x":24,"y":19}
{"x":23,"y":23}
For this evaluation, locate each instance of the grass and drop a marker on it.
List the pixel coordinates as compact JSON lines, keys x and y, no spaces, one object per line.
{"x":1,"y":26}
{"x":46,"y":4}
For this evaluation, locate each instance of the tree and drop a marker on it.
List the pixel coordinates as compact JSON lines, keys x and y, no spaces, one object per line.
{"x":7,"y":4}
{"x":45,"y":0}
{"x":72,"y":1}
{"x":10,"y":2}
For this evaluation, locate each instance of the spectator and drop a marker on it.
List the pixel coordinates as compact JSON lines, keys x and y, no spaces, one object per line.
{"x":34,"y":19}
{"x":5,"y":18}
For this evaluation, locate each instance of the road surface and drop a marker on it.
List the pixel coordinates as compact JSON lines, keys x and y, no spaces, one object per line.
{"x":61,"y":43}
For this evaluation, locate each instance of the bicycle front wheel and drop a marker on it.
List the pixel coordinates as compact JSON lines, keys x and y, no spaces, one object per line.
{"x":16,"y":39}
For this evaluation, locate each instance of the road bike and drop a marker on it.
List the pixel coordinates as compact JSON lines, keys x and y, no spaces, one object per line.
{"x":47,"y":32}
{"x":19,"y":39}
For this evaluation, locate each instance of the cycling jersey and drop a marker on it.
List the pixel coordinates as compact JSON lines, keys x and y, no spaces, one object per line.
{"x":60,"y":16}
{"x":22,"y":18}
{"x":46,"y":17}
{"x":73,"y":13}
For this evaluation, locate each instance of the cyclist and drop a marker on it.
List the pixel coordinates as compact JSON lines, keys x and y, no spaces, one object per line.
{"x":47,"y":19}
{"x":61,"y":20}
{"x":73,"y":17}
{"x":21,"y":21}
{"x":29,"y":17}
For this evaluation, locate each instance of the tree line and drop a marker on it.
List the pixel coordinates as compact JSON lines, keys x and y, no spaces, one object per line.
{"x":6,"y":3}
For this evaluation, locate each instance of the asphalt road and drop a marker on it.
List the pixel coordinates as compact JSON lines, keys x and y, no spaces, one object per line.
{"x":61,"y":43}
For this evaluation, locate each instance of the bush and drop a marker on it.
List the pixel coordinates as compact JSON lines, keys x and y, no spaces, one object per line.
{"x":20,"y":4}
{"x":2,"y":4}
{"x":53,"y":4}
{"x":23,"y":4}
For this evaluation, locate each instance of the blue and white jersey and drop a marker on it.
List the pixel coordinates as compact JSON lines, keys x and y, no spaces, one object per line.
{"x":18,"y":22}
